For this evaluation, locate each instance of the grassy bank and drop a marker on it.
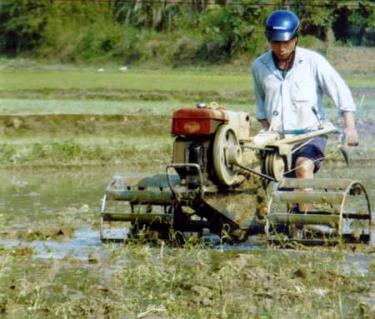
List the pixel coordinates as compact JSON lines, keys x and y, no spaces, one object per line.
{"x":132,"y":85}
{"x":102,"y":107}
{"x":136,"y":153}
{"x":152,"y":85}
{"x":132,"y":139}
{"x":131,"y":80}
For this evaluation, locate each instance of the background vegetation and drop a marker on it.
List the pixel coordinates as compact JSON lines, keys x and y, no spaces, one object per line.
{"x":169,"y":31}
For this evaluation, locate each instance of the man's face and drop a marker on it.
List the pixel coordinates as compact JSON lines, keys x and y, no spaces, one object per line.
{"x":283,"y":49}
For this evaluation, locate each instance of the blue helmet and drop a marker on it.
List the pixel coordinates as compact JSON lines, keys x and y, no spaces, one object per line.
{"x":282,"y":25}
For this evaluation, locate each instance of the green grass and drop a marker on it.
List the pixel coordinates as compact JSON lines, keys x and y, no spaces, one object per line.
{"x":100,"y":106}
{"x":132,"y":80}
{"x":140,"y":80}
{"x":136,"y":91}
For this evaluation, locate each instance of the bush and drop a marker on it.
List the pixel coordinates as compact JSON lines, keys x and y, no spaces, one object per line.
{"x":99,"y":40}
{"x":21,"y":25}
{"x":166,"y":32}
{"x":185,"y":50}
{"x":127,"y":48}
{"x":79,"y":31}
{"x":231,"y":31}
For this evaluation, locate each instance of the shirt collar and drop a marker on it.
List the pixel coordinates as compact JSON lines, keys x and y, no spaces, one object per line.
{"x":298,"y":58}
{"x":268,"y":60}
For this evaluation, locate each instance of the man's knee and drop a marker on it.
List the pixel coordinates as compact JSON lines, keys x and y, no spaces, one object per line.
{"x":304,"y":168}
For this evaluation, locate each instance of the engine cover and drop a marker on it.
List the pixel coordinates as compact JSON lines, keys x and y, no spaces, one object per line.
{"x":199,"y":121}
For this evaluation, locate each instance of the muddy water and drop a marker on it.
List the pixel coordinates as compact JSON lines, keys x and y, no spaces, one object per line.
{"x":54,"y":211}
{"x":35,"y":192}
{"x":68,"y":200}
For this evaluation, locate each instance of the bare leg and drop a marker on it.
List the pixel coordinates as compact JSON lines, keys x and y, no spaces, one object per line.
{"x":304,"y":169}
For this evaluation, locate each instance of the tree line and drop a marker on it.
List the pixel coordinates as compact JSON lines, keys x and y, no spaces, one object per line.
{"x":169,"y":31}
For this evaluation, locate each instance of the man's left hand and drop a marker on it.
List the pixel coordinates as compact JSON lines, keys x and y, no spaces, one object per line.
{"x":351,"y":137}
{"x":350,"y":130}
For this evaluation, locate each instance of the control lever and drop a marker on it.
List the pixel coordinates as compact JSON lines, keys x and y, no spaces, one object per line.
{"x":342,"y":138}
{"x":315,"y":111}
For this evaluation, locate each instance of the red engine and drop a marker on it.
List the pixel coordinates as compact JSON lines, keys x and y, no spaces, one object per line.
{"x":199,"y":121}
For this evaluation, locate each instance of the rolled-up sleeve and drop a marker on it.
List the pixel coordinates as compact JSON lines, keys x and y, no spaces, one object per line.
{"x":334,"y":86}
{"x":260,"y":113}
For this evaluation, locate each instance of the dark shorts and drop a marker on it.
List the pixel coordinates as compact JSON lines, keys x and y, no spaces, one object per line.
{"x":313,"y":150}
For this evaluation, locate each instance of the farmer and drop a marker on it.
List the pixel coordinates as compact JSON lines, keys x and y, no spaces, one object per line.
{"x":289,"y":83}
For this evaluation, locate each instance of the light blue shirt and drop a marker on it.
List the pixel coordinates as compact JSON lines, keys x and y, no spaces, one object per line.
{"x":296,"y":101}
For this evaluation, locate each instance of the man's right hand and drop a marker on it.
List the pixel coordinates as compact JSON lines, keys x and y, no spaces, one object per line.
{"x":265,"y":124}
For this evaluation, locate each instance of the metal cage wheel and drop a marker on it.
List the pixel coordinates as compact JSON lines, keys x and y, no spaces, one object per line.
{"x":339,"y":210}
{"x":355,"y":214}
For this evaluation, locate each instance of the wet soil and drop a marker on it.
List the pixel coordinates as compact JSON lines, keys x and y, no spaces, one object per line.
{"x":49,"y":221}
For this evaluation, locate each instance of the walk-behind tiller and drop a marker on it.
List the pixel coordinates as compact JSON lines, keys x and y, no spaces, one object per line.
{"x":223,"y":181}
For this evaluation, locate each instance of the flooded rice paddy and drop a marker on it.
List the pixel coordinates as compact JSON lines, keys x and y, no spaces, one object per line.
{"x":50,"y":244}
{"x":55,"y":211}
